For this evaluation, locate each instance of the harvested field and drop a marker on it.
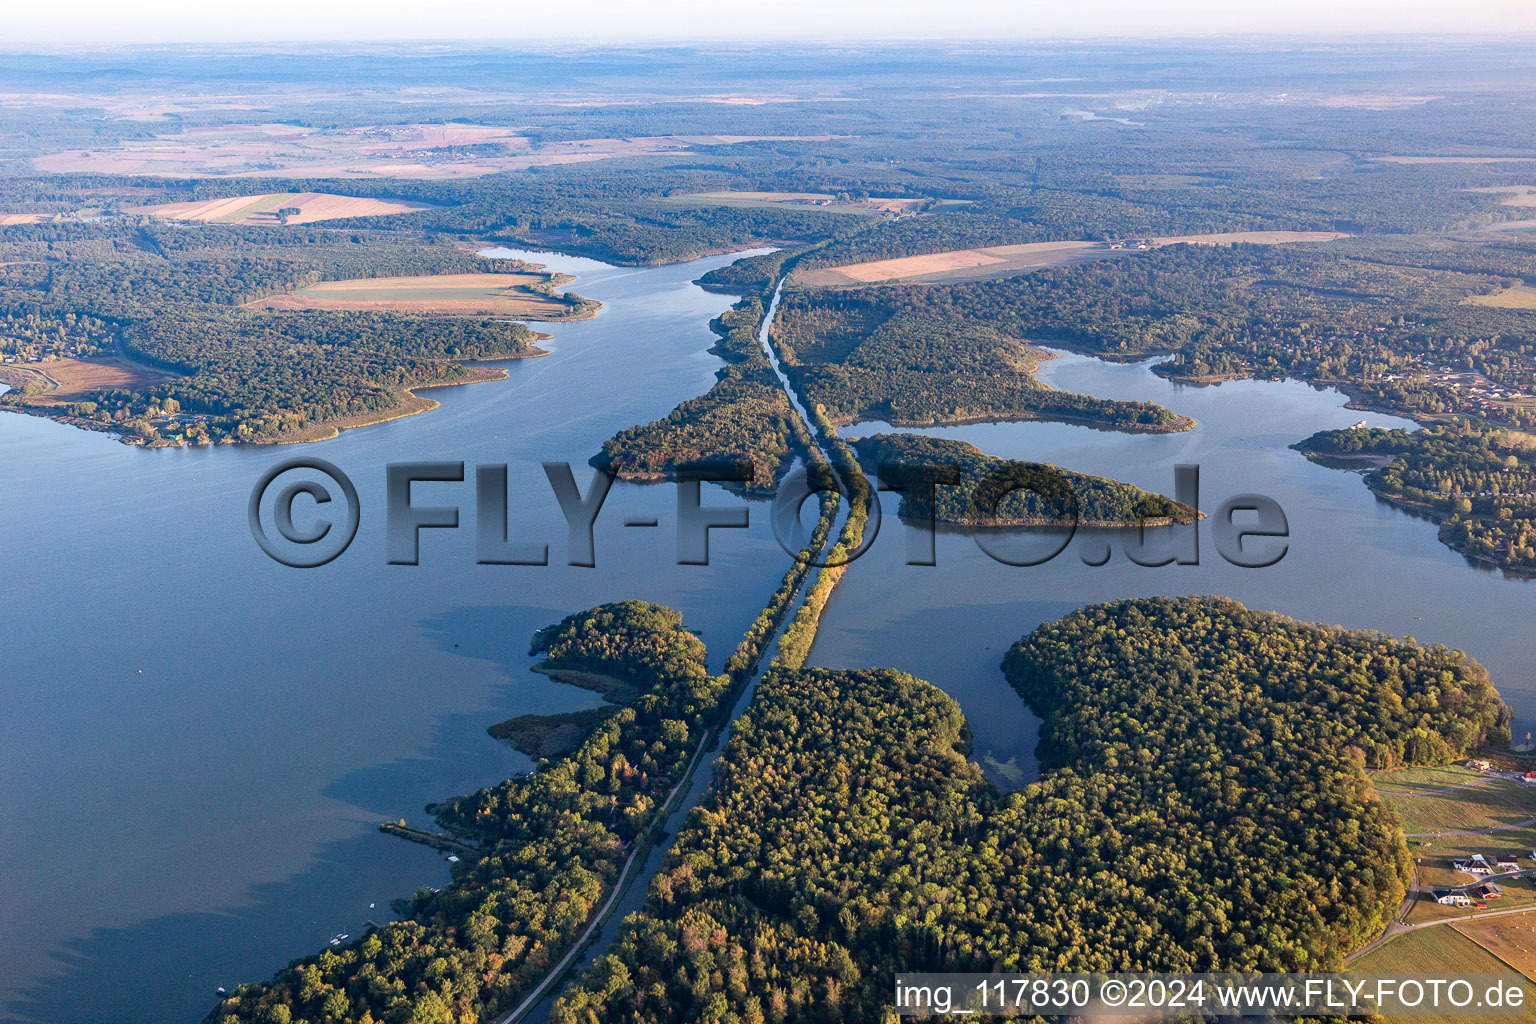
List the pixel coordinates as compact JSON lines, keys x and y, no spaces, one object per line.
{"x":1455,"y":159}
{"x":1521,"y":296}
{"x":1006,"y":260}
{"x":262,"y":209}
{"x":65,"y":380}
{"x":1435,"y":952}
{"x":512,"y":295}
{"x":814,"y":201}
{"x":1511,"y":939}
{"x":959,"y":264}
{"x":23,"y":218}
{"x":1514,"y":195}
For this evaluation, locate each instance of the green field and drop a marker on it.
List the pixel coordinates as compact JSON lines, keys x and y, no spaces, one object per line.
{"x":262,"y":204}
{"x":1494,"y":803}
{"x":1438,"y":952}
{"x":1419,"y":779}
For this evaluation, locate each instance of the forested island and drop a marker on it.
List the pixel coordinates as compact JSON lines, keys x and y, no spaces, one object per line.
{"x":1203,"y":805}
{"x":1000,"y":492}
{"x":1478,"y":482}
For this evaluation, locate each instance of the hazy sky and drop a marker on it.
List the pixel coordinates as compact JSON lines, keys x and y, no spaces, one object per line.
{"x":618,"y":21}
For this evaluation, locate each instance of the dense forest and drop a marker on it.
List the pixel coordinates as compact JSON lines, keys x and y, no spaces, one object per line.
{"x":858,"y":357}
{"x":745,"y":417}
{"x":1000,"y":492}
{"x":1354,"y":310}
{"x":1203,"y":805}
{"x":1479,"y":483}
{"x":1367,"y":312}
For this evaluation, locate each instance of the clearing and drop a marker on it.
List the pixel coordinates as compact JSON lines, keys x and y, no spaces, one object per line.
{"x":262,"y":209}
{"x":1006,"y":260}
{"x":816,"y":201}
{"x":1521,"y":296}
{"x":1516,"y":195}
{"x":527,"y":296}
{"x":65,"y":380}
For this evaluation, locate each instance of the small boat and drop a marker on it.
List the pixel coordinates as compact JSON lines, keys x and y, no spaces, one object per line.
{"x":339,"y":938}
{"x":453,"y":859}
{"x":221,"y":991}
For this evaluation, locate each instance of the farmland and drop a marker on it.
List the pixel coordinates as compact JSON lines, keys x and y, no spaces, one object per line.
{"x":57,"y":380}
{"x":412,"y":151}
{"x":265,"y":209}
{"x":526,"y":296}
{"x":1435,"y":952}
{"x":1514,"y":195}
{"x":1511,"y":939}
{"x":1007,"y":260}
{"x":1519,"y":297}
{"x":815,"y":201}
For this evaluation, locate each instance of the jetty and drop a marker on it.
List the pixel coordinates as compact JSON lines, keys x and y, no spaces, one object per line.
{"x":437,"y":840}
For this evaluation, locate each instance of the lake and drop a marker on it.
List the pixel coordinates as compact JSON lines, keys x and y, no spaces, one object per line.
{"x":204,"y":822}
{"x":1352,"y":560}
{"x":200,"y":742}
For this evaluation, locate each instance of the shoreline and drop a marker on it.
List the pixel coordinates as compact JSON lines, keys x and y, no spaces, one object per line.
{"x":1017,"y":417}
{"x":1037,"y":356}
{"x":331,"y":429}
{"x":323,"y":430}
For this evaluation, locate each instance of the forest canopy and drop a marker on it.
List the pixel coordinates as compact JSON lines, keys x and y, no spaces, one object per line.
{"x":990,"y":491}
{"x":1202,"y":805}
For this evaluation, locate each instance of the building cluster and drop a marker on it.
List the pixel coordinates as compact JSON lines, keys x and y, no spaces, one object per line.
{"x":1470,"y":384}
{"x":1477,"y":864}
{"x":1470,"y":897}
{"x":1479,"y":893}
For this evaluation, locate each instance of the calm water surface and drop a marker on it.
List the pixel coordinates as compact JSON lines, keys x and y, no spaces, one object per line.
{"x":1353,"y":560}
{"x":203,"y":822}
